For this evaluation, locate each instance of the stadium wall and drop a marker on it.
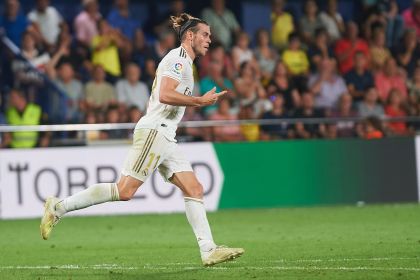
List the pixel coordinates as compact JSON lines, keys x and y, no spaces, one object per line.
{"x":235,"y":175}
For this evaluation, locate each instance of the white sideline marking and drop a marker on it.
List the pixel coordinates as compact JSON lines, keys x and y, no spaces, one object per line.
{"x":116,"y":267}
{"x":191,"y":266}
{"x":346,"y":260}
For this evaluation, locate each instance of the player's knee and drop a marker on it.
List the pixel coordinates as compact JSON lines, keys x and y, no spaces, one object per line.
{"x":125,"y":193}
{"x":195,"y":191}
{"x":125,"y":196}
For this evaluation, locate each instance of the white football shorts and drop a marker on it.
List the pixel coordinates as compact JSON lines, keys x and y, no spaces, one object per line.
{"x":151,"y":150}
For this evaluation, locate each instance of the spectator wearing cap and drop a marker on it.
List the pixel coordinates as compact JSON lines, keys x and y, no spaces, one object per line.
{"x":47,"y":21}
{"x":281,"y":24}
{"x":85,"y":23}
{"x":346,"y":48}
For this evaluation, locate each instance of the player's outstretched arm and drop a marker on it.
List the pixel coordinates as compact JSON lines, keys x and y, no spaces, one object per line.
{"x":168,"y":95}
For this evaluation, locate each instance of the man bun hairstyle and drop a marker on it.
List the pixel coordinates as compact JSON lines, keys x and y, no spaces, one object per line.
{"x":185,"y":22}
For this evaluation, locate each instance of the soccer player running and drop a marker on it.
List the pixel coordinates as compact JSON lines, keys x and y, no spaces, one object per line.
{"x":154,"y":145}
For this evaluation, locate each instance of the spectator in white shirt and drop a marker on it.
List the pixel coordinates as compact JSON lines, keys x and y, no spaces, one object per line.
{"x":332,"y":20}
{"x":327,"y":85}
{"x":131,"y":91}
{"x":47,"y":20}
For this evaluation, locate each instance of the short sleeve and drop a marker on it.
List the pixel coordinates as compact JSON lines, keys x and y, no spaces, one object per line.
{"x":174,"y":68}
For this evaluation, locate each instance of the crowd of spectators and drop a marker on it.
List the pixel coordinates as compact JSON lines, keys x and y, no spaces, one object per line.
{"x":315,"y":66}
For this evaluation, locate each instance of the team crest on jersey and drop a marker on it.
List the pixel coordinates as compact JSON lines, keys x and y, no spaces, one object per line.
{"x":178,"y":68}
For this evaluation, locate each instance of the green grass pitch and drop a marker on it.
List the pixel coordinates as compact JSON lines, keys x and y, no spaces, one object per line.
{"x":370,"y":242}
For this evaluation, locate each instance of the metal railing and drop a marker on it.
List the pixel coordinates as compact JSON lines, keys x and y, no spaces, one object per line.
{"x":207,"y":123}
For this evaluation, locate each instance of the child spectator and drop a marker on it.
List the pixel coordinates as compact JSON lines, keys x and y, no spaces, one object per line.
{"x":369,"y":106}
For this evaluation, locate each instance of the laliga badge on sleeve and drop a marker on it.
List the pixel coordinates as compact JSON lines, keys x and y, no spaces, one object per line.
{"x":177,"y":69}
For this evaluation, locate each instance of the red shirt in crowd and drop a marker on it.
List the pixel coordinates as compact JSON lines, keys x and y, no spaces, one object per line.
{"x":397,"y":127}
{"x":345,"y":45}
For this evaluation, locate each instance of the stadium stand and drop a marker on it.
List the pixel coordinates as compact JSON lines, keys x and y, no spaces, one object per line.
{"x":330,"y":62}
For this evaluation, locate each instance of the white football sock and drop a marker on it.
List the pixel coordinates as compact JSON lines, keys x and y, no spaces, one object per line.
{"x":196,"y":215}
{"x":96,"y":194}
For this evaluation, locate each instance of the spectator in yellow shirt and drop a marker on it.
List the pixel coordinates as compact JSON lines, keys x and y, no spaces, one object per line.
{"x":294,"y":57}
{"x":105,"y":48}
{"x":281,"y":24}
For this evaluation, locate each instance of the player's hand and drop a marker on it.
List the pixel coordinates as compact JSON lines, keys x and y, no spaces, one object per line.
{"x":211,"y":97}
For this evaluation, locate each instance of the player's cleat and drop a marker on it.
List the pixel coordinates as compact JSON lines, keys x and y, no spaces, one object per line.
{"x":50,"y":218}
{"x":222,"y":254}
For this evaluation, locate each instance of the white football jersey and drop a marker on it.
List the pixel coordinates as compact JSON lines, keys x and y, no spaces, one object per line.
{"x":165,"y":118}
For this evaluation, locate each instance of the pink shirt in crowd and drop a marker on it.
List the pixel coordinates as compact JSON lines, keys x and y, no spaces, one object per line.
{"x":384,"y":84}
{"x":86,"y":27}
{"x":410,"y":21}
